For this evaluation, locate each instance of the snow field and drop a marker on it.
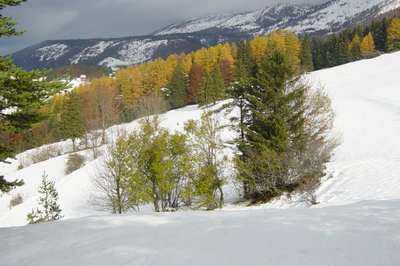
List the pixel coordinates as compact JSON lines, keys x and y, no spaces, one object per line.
{"x":357,"y":220}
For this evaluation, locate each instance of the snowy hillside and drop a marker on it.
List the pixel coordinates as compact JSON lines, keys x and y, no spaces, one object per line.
{"x":357,"y":220}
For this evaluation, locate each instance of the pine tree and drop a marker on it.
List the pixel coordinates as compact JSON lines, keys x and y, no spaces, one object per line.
{"x":306,"y":55}
{"x":71,"y":122}
{"x":178,"y":89}
{"x":49,"y":209}
{"x":21,"y":91}
{"x":393,"y":35}
{"x":367,"y":46}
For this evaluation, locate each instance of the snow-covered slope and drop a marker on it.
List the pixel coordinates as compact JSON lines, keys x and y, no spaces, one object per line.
{"x":366,"y":97}
{"x":361,"y":234}
{"x":357,"y":220}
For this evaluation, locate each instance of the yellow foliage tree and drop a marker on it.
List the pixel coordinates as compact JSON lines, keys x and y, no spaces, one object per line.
{"x":393,"y":35}
{"x":226,"y":55}
{"x":186,"y":60}
{"x":367,"y":46}
{"x":154,"y":75}
{"x":288,"y":43}
{"x":129,"y":82}
{"x":258,"y":47}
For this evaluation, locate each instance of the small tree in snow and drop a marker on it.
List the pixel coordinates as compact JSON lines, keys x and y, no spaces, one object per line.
{"x":49,"y":209}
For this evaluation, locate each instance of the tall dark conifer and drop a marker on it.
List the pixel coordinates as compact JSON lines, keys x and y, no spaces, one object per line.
{"x":306,"y":57}
{"x":71,"y":123}
{"x":276,"y":120}
{"x":178,"y":88}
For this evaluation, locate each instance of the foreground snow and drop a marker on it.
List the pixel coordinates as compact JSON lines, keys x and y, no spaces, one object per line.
{"x":357,"y":220}
{"x":365,"y":233}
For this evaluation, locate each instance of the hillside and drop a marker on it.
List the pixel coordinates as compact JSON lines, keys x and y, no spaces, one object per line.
{"x":195,"y":33}
{"x":356,"y":222}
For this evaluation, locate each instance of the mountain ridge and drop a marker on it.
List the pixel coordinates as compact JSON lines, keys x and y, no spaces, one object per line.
{"x":193,"y":34}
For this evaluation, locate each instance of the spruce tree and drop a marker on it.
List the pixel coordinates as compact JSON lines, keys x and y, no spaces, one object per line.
{"x":21,"y":91}
{"x":49,"y":209}
{"x":244,"y":64}
{"x":276,"y":118}
{"x":71,"y":124}
{"x":178,"y":88}
{"x":306,"y":55}
{"x":218,"y":92}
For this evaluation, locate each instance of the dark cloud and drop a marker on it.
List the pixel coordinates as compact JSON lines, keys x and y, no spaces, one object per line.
{"x":60,"y":19}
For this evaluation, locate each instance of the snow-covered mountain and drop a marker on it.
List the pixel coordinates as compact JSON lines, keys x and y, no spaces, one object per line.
{"x":357,"y":220}
{"x":331,"y":16}
{"x":193,"y":34}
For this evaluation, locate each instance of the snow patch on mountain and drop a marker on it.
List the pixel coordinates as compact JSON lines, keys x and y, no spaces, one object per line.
{"x":91,"y":52}
{"x":51,"y":52}
{"x":133,"y":52}
{"x":334,"y":14}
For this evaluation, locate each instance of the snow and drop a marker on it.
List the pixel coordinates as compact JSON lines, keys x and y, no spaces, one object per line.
{"x":51,"y":52}
{"x":356,"y":222}
{"x":329,"y":16}
{"x":133,"y":52}
{"x":337,"y":13}
{"x":366,"y":233}
{"x":91,"y":52}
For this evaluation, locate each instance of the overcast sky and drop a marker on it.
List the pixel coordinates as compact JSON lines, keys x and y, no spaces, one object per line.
{"x":72,"y":19}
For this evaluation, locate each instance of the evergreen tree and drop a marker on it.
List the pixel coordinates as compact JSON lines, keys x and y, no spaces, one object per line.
{"x":21,"y":91}
{"x":178,"y":88}
{"x":342,"y":51}
{"x":218,"y":92}
{"x":354,"y":47}
{"x":49,"y":209}
{"x":71,"y":122}
{"x":213,"y":88}
{"x":276,"y":117}
{"x":244,"y":64}
{"x":306,"y":55}
{"x":379,"y":33}
{"x":393,"y":35}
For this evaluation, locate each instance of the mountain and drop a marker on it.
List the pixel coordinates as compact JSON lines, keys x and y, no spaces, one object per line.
{"x":193,"y":34}
{"x":355,"y":223}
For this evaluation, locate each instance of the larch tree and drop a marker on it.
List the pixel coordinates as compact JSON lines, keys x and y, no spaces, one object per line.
{"x":367,"y":46}
{"x":196,"y":78}
{"x":393,"y":35}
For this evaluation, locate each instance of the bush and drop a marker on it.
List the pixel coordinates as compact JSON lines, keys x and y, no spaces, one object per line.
{"x":15,"y":200}
{"x":74,"y":162}
{"x":39,"y":155}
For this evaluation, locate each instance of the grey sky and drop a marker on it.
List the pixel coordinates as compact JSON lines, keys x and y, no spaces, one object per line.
{"x":72,"y":19}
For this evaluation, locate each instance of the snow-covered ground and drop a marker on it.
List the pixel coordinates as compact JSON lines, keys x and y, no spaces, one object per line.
{"x":357,"y":220}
